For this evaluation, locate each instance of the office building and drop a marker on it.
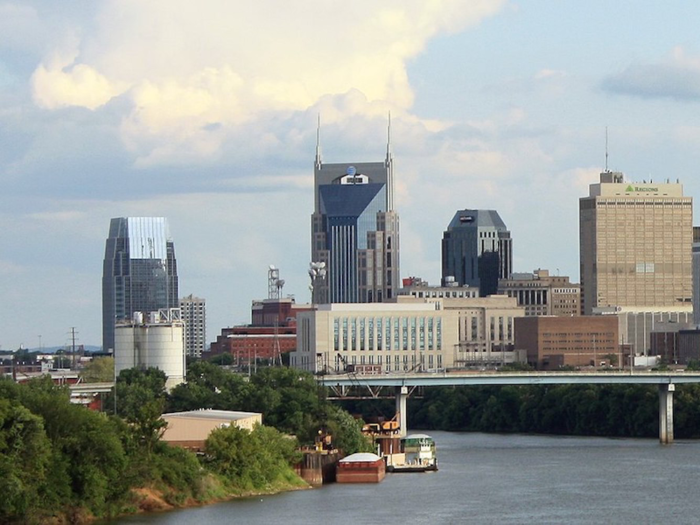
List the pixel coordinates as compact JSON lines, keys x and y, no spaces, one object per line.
{"x":583,"y":341}
{"x":194,"y":314}
{"x":543,"y":294}
{"x":355,"y":232}
{"x":477,"y":250}
{"x":139,"y":271}
{"x":409,"y":334}
{"x":635,"y":246}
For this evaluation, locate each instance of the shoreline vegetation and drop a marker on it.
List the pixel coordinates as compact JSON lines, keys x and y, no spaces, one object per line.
{"x":61,"y":463}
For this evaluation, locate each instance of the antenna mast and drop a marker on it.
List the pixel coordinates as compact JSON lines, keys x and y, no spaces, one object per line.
{"x":318,"y":161}
{"x":390,"y":168}
{"x":606,"y":148}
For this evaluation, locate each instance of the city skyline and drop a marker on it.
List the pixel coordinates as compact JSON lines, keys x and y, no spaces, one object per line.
{"x":208,"y":116}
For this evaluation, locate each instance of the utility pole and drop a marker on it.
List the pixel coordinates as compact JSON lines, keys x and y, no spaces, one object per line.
{"x":72,"y":331}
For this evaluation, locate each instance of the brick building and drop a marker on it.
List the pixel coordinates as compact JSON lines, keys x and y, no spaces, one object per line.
{"x":553,"y":342}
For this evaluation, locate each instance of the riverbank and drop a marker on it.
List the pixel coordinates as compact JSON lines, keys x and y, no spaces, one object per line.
{"x":152,"y":500}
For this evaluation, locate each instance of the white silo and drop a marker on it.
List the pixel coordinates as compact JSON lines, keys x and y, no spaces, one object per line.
{"x":158,"y":343}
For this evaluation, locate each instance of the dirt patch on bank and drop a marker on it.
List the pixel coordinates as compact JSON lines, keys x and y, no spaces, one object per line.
{"x":150,"y":500}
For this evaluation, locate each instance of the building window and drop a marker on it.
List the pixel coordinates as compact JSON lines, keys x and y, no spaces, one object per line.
{"x":353,"y":341}
{"x":362,"y":333}
{"x":336,"y":334}
{"x":404,"y":333}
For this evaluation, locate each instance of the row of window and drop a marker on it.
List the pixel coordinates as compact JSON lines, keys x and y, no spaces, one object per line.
{"x":387,"y":333}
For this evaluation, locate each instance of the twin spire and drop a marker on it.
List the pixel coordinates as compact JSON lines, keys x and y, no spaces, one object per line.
{"x":389,"y":161}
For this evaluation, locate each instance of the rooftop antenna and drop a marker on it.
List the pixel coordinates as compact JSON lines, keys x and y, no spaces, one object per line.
{"x":273,"y":283}
{"x":606,"y":149}
{"x":318,"y":161}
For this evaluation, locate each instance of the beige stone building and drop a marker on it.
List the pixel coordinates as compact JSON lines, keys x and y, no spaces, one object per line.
{"x":635,"y":245}
{"x":543,"y":294}
{"x":409,"y":334}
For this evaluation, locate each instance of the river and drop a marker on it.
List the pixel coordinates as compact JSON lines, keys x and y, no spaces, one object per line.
{"x":493,"y":479}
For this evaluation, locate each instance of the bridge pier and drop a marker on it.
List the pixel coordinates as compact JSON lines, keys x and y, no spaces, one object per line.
{"x":401,"y":398}
{"x":666,"y":413}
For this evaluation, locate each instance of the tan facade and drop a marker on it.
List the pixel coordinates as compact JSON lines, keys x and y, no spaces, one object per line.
{"x":543,"y":294}
{"x":635,"y":245}
{"x":411,"y":334}
{"x":191,"y":429}
{"x":552,"y":342}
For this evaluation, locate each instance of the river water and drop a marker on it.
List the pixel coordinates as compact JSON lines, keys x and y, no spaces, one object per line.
{"x":499,"y":479}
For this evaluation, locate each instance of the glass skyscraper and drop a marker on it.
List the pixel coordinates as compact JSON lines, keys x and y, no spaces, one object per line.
{"x":355,"y":231}
{"x":139,"y":271}
{"x":477,"y":250}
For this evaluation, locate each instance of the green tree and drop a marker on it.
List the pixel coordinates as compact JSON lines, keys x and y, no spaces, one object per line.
{"x":25,"y":452}
{"x":140,"y":400}
{"x":347,"y":432}
{"x":99,"y":370}
{"x":251,"y":460}
{"x":87,"y":457}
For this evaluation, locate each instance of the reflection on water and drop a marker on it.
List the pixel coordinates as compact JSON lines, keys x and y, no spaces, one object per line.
{"x":494,"y":479}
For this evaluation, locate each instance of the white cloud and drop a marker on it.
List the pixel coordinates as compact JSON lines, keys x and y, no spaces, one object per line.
{"x":185,"y":67}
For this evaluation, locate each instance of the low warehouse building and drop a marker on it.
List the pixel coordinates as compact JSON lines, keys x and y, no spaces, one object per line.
{"x":191,"y":429}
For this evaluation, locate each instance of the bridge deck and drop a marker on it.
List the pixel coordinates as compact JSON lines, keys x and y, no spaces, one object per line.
{"x":511,"y":378}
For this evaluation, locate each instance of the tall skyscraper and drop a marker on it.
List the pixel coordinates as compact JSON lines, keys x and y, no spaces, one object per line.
{"x":477,"y":250}
{"x":635,"y":245}
{"x":139,"y":271}
{"x":355,"y":231}
{"x":194,"y":314}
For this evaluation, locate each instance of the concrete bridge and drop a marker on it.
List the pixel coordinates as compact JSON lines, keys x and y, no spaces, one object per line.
{"x":403,"y":384}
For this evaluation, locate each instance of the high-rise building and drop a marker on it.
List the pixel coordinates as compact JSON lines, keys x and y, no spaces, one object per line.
{"x":477,"y":250}
{"x":139,"y":271}
{"x":194,"y":314}
{"x":635,"y":245}
{"x":355,"y":231}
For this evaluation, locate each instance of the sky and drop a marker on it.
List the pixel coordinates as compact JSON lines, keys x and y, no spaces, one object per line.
{"x":206,"y":113}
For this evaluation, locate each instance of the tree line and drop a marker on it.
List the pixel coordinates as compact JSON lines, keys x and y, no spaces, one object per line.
{"x":586,"y":410}
{"x":61,"y":462}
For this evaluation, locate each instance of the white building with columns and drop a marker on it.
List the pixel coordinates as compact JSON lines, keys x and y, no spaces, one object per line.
{"x":409,"y":334}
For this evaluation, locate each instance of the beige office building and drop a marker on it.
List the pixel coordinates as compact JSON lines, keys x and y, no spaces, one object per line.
{"x":543,"y":294}
{"x":409,"y":335}
{"x":635,"y":245}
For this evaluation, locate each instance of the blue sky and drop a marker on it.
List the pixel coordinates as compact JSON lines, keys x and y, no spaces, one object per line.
{"x":207,"y":115}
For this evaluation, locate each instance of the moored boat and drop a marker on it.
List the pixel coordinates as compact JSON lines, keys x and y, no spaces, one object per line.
{"x":418,"y":455}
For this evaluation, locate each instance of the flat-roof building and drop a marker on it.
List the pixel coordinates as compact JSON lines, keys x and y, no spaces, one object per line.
{"x":635,"y":245}
{"x":553,"y":342}
{"x":543,"y":294}
{"x":409,"y":334}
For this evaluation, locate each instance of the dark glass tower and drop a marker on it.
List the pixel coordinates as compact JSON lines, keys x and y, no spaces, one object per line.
{"x":139,"y":271}
{"x":477,"y":250}
{"x":355,"y":231}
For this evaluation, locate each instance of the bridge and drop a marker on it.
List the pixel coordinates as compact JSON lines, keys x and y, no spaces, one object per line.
{"x":403,"y":384}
